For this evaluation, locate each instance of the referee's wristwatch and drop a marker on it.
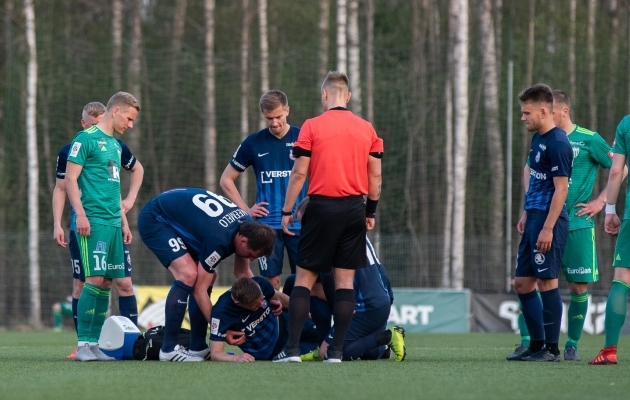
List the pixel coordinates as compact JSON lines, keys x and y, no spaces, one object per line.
{"x":285,"y":213}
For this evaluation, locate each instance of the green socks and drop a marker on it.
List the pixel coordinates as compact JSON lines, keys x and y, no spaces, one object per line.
{"x":86,"y":309}
{"x":616,"y":307}
{"x":100,"y":313}
{"x":576,"y":314}
{"x":91,"y":312}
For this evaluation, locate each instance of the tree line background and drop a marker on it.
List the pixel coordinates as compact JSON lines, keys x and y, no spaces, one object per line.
{"x":432,"y":76}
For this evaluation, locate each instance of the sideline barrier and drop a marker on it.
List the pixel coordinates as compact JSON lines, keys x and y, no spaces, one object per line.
{"x":431,"y":310}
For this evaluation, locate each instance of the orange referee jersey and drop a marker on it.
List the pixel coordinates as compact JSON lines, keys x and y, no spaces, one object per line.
{"x":340,"y":144}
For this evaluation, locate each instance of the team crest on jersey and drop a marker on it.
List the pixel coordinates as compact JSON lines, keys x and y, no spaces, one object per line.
{"x":291,"y":155}
{"x":75,"y":149}
{"x":212,"y":260}
{"x":576,"y":152}
{"x":537,"y":158}
{"x":100,"y":247}
{"x":214,"y":326}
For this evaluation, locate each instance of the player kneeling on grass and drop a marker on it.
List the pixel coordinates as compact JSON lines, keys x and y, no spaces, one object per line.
{"x":367,"y":337}
{"x":246,"y":308}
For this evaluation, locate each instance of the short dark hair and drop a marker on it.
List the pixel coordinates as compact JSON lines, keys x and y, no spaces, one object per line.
{"x":273,"y":99}
{"x":259,"y":236}
{"x":301,"y":208}
{"x":561,"y":97}
{"x":94,"y":109}
{"x":539,"y":93}
{"x":246,"y":290}
{"x":123,"y":99}
{"x":336,"y":80}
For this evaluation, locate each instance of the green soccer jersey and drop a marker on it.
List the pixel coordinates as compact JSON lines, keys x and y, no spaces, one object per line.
{"x":622,"y":146}
{"x":590,"y":151}
{"x":99,"y":182}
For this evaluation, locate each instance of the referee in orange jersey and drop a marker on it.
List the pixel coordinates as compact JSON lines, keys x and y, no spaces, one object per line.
{"x":341,"y":154}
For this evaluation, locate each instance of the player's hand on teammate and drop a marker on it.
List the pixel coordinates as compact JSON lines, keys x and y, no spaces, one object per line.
{"x":234,"y":338}
{"x":127,"y":236}
{"x":590,"y":208}
{"x":127,"y":204}
{"x":83,"y":225}
{"x":58,"y":236}
{"x":276,"y":307}
{"x":543,"y":244}
{"x":520,"y":227}
{"x":286,"y":221}
{"x":258,"y":210}
{"x":244,"y":358}
{"x":611,"y":224}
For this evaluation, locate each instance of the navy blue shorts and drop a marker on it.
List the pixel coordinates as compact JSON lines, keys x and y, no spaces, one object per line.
{"x":272,"y":266}
{"x":160,"y":238}
{"x":364,"y":324}
{"x":77,"y":265}
{"x":529,"y":262}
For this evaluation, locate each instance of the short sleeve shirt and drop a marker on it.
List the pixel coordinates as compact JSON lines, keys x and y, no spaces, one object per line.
{"x":550,"y":155}
{"x":622,"y":146}
{"x":206,"y":222}
{"x":128,"y":161}
{"x":272,"y":160}
{"x":340,"y":144}
{"x":590,"y":151}
{"x":260,"y":326}
{"x":99,"y":181}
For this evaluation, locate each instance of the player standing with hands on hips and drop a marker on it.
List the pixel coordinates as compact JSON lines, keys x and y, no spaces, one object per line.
{"x":341,"y":154}
{"x":617,"y":303}
{"x":544,"y":225}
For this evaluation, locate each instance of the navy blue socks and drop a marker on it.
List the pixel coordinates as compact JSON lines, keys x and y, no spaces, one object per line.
{"x":552,"y":316}
{"x":532,"y":309}
{"x":129,"y":308}
{"x":174,"y":311}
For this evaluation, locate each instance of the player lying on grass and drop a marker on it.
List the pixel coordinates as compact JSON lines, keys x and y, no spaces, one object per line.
{"x":367,"y":337}
{"x":246,"y":308}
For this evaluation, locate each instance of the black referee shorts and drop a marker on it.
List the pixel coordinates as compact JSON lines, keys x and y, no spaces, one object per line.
{"x":333,"y":234}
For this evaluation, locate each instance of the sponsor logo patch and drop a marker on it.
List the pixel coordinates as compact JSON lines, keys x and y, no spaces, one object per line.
{"x":213,"y":259}
{"x":214,"y":326}
{"x":75,"y":149}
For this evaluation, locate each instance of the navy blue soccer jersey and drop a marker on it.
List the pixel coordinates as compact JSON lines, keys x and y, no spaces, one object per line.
{"x":260,"y":326}
{"x":127,"y":159}
{"x":372,"y":289}
{"x":550,"y":155}
{"x":272,"y":160}
{"x":205,"y":221}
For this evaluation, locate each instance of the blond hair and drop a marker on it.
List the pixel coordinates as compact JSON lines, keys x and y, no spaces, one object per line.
{"x":94,"y":109}
{"x":336,"y":81}
{"x":123,"y":99}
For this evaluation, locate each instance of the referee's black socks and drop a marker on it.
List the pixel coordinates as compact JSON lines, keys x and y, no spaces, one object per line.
{"x":344,"y":308}
{"x":299,"y":307}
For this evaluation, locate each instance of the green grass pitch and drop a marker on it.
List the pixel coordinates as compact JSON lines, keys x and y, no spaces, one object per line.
{"x":462,"y":366}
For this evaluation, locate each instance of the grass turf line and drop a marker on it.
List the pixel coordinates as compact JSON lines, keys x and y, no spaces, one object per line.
{"x":471,"y":366}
